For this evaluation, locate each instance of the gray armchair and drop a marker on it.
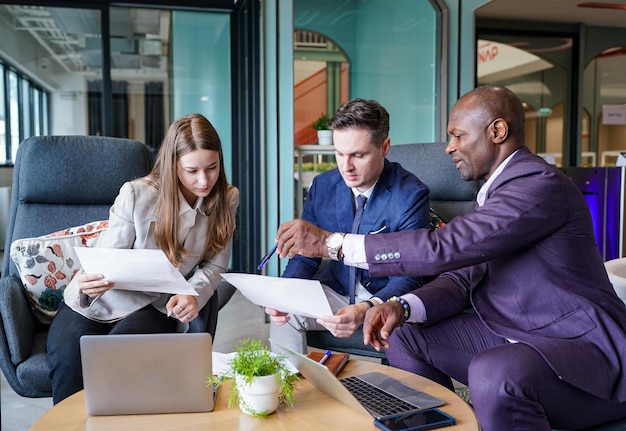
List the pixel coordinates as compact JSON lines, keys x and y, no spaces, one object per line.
{"x":449,"y":196}
{"x":59,"y":182}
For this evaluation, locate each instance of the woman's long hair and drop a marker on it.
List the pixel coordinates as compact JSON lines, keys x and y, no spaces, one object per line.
{"x":189,"y":133}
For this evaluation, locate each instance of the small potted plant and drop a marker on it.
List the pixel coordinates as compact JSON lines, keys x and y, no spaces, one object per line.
{"x":324,"y":134}
{"x":260,"y":381}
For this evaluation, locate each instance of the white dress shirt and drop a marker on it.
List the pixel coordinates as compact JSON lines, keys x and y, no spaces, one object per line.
{"x":360,"y":292}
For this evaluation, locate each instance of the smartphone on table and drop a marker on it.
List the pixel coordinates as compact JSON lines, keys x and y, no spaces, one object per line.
{"x":421,"y":420}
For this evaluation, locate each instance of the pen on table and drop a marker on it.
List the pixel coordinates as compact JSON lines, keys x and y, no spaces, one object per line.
{"x":267,"y":257}
{"x":326,"y":356}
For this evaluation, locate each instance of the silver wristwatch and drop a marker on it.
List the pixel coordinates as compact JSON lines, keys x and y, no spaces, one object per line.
{"x":334,"y":243}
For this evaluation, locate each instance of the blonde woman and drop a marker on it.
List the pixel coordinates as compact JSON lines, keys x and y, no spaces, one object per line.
{"x":184,"y":207}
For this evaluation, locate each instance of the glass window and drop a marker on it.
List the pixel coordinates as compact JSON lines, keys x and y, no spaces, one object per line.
{"x":536,"y":69}
{"x":3,"y":147}
{"x":26,"y":110}
{"x":605,"y":101}
{"x":36,"y":109}
{"x":373,"y":49}
{"x":45,"y":103}
{"x":14,"y":113}
{"x":25,"y":117}
{"x":157,"y":71}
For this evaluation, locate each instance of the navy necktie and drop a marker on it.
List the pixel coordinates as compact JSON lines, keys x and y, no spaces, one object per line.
{"x":360,"y":206}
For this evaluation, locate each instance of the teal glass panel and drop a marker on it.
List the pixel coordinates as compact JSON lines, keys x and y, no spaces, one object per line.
{"x":201,"y":71}
{"x":391,"y":48}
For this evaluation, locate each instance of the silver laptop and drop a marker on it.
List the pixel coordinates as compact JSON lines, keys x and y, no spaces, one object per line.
{"x":147,"y":373}
{"x":375,"y":393}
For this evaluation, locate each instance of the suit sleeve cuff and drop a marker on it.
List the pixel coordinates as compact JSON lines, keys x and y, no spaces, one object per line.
{"x":354,"y":251}
{"x":418,"y":311}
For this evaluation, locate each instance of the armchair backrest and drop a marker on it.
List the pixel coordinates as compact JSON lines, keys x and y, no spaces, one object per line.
{"x":450,"y":195}
{"x":65,"y":181}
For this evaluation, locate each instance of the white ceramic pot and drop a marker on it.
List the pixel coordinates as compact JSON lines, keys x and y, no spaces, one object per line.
{"x":260,"y":396}
{"x":325,"y":137}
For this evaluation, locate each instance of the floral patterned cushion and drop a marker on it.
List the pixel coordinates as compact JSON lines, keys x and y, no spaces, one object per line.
{"x":48,"y":263}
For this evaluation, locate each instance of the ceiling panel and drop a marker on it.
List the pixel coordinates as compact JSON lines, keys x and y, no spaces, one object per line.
{"x":559,"y":11}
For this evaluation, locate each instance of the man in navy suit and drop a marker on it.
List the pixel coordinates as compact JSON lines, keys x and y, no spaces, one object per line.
{"x":545,"y":345}
{"x":395,"y":200}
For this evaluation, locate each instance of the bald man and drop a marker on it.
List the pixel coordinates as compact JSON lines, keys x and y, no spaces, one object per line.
{"x":545,"y":345}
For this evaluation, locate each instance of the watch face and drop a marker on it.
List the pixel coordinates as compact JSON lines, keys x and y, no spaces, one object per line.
{"x":335,"y":240}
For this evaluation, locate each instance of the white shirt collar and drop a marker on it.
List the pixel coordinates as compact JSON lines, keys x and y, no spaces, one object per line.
{"x":367,"y":193}
{"x":184,"y":205}
{"x":482,"y":193}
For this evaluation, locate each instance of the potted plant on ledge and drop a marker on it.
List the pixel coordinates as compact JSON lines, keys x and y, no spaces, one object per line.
{"x":324,"y":134}
{"x":260,"y":381}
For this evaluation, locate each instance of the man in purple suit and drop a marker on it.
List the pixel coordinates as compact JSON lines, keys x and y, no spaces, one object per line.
{"x":545,"y":343}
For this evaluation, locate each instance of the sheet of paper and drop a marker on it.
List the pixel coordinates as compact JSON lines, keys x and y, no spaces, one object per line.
{"x":135,"y":269}
{"x":291,"y":295}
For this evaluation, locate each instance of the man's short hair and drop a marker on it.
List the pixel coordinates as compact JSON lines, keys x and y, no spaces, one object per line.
{"x":363,"y":114}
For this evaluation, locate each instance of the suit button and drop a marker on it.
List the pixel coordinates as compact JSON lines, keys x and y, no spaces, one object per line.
{"x":383,"y":257}
{"x":377,"y":257}
{"x":397,"y":255}
{"x":390,"y":256}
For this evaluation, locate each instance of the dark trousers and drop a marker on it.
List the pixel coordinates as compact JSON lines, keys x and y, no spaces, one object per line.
{"x":68,"y":326}
{"x":511,"y":386}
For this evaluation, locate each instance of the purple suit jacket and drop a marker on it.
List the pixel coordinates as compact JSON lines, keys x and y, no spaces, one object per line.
{"x":528,"y":264}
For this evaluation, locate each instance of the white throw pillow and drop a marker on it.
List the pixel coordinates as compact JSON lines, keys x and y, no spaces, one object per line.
{"x":48,"y":263}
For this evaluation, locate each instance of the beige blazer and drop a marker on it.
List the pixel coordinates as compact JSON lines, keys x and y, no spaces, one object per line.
{"x":131,"y":225}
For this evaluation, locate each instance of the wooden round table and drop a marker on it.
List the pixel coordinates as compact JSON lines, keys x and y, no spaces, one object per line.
{"x":313,"y":410}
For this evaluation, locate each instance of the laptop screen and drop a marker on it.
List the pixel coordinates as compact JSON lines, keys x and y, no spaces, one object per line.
{"x":147,"y":373}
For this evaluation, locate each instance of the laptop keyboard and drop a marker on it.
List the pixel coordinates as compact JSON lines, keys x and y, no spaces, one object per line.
{"x":375,"y":399}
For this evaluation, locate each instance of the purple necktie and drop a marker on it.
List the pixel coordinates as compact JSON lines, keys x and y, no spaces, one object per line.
{"x":360,"y":206}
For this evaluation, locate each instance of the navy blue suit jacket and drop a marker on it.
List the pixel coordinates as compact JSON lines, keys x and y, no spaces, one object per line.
{"x":399,"y":202}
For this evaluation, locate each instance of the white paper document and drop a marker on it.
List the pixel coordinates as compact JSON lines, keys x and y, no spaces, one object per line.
{"x":291,"y":295}
{"x":135,"y":269}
